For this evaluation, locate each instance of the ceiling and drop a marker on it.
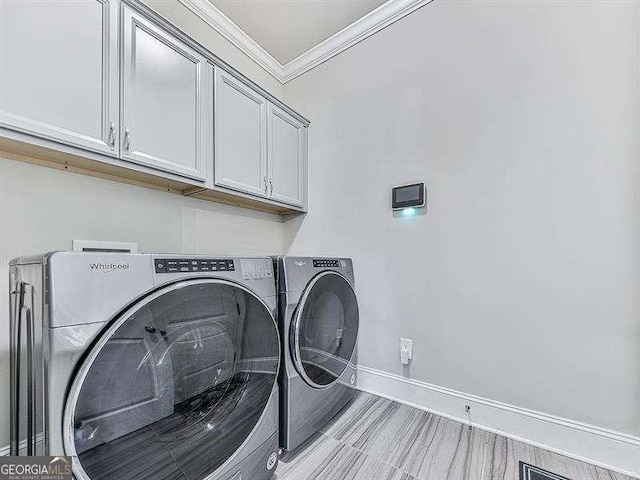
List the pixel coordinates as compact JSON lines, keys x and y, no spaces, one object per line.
{"x":288,"y":28}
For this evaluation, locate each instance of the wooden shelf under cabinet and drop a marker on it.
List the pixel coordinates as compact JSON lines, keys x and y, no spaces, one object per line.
{"x":52,"y":158}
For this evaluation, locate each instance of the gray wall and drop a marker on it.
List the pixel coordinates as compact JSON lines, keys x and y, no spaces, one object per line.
{"x":521,"y":282}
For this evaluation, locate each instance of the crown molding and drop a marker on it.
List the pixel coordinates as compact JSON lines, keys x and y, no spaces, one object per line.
{"x":383,"y":16}
{"x":232,"y":32}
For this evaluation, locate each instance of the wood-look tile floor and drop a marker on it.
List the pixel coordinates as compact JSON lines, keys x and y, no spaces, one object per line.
{"x":378,"y":439}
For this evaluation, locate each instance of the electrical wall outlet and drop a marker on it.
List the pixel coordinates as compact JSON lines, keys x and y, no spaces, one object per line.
{"x":406,"y":350}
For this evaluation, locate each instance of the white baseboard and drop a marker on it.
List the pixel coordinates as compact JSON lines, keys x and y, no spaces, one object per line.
{"x":606,"y":448}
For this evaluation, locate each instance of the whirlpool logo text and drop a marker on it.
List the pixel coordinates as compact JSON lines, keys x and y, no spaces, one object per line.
{"x":109,"y":267}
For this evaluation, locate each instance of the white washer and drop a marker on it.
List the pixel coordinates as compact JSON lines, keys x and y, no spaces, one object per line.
{"x":146,"y":366}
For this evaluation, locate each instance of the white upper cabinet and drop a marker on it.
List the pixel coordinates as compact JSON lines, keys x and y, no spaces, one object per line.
{"x":59,"y":71}
{"x":240,"y":125}
{"x":287,"y":157}
{"x":113,"y":83}
{"x":164,"y":100}
{"x":259,"y":148}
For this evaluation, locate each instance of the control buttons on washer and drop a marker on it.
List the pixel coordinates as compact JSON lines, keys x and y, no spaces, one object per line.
{"x":182,"y":265}
{"x":172,"y":266}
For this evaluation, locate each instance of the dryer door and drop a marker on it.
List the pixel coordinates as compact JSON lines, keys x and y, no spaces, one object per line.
{"x":174,"y":386}
{"x":324,"y":330}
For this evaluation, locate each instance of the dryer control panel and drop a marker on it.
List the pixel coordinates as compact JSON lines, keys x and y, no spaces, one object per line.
{"x":329,"y":263}
{"x":179,"y":265}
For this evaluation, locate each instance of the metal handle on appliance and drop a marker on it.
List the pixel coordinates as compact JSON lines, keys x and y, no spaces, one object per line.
{"x":31,"y":385}
{"x":16,"y":354}
{"x":16,"y":372}
{"x":33,"y":369}
{"x":270,"y":186}
{"x":112,"y":135}
{"x":127,"y":139}
{"x":265,"y":185}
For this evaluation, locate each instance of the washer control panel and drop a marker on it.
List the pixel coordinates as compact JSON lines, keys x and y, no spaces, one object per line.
{"x":180,"y":265}
{"x":326,"y":263}
{"x":256,"y":268}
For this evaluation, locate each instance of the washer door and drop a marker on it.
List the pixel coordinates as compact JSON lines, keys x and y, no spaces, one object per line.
{"x":174,"y":386}
{"x":325,"y":329}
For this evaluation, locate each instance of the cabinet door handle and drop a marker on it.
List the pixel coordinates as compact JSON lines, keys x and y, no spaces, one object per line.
{"x":112,"y":135}
{"x":270,"y":186}
{"x":266,"y":186}
{"x":127,"y":139}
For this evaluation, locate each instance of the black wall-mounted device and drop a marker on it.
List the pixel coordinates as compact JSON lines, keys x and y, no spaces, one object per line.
{"x":408,"y":196}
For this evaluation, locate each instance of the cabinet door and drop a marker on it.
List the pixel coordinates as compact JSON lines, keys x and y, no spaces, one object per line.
{"x":163,"y":100}
{"x":59,"y":71}
{"x":240,"y":136}
{"x":287,"y":157}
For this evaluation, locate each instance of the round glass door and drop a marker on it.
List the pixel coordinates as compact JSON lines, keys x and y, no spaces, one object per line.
{"x":174,"y":386}
{"x":325,"y":329}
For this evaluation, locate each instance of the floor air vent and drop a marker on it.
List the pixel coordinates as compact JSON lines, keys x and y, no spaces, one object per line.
{"x":530,"y":472}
